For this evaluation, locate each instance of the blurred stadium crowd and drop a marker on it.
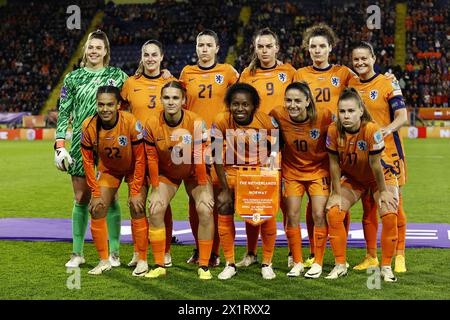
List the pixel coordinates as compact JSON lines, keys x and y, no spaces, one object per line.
{"x":36,"y":45}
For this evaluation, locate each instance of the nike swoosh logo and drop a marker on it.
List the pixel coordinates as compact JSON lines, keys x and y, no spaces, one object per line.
{"x":191,"y":79}
{"x":137,"y":90}
{"x":254,"y":80}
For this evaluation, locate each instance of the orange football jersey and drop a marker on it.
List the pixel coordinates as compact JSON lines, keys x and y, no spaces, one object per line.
{"x":114,"y":146}
{"x":354,"y":150}
{"x":244,"y":145}
{"x":206,"y":88}
{"x":175,"y":143}
{"x":305,"y":157}
{"x":326,"y":84}
{"x":270,"y":84}
{"x":143,"y":95}
{"x":376,"y":93}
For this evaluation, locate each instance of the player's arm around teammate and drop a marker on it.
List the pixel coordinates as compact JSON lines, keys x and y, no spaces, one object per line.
{"x":304,"y":169}
{"x":356,"y":148}
{"x":112,"y":141}
{"x":169,"y":163}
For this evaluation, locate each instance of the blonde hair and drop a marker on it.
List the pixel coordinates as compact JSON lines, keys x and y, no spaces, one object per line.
{"x":98,"y":34}
{"x":140,"y":69}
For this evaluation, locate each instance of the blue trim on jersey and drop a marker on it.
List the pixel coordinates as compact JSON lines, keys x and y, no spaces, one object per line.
{"x":324,"y":69}
{"x":397,"y":103}
{"x":389,"y":167}
{"x":398,"y":145}
{"x":368,"y":80}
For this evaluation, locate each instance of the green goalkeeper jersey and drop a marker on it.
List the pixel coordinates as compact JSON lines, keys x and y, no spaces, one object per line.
{"x":78,"y":102}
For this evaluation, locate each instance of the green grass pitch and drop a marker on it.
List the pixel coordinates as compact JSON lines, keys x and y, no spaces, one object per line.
{"x":32,"y":187}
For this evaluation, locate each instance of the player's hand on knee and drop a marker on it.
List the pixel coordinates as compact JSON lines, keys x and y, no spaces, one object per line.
{"x":334,"y":200}
{"x":137,"y":203}
{"x":206,"y":198}
{"x":155,"y":203}
{"x":388,"y":202}
{"x":62,"y":159}
{"x":225,"y":202}
{"x":96,"y":206}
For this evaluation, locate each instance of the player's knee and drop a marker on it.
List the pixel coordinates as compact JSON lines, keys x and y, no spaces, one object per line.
{"x":156,"y":219}
{"x":137,"y":214}
{"x":82,"y":197}
{"x":205,"y":215}
{"x":319,"y":218}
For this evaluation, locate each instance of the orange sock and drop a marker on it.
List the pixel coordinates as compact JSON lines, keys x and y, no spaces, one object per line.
{"x":401,"y":225}
{"x":252,"y":237}
{"x":140,"y":232}
{"x":310,"y":228}
{"x":388,"y":238}
{"x":320,"y":241}
{"x":370,"y":223}
{"x":216,"y":242}
{"x":168,"y":222}
{"x":99,"y":230}
{"x":338,"y":236}
{"x":268,"y":235}
{"x":204,"y":252}
{"x":193,"y":220}
{"x":347,"y":221}
{"x":158,"y":242}
{"x":294,"y":238}
{"x":227,"y":233}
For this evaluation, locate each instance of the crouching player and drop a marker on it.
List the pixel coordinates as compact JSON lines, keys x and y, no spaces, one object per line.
{"x":174,"y":144}
{"x":356,"y":146}
{"x":304,"y":168}
{"x":242,"y":120}
{"x":112,"y":142}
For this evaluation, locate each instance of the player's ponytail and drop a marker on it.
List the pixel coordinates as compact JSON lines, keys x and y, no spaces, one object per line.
{"x":98,"y":34}
{"x":255,"y":63}
{"x":352,"y":93}
{"x":140,"y":69}
{"x":303,"y":87}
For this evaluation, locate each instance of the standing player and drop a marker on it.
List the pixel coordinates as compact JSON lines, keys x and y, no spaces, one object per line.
{"x":78,"y":102}
{"x":384,"y":100}
{"x":326,"y":82}
{"x":356,"y":146}
{"x":206,"y":84}
{"x":175,"y":141}
{"x":245,"y":120}
{"x":270,"y":80}
{"x":304,"y":169}
{"x":112,"y":142}
{"x":141,"y":94}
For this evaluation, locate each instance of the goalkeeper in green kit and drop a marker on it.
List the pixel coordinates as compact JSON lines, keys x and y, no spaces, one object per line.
{"x":78,"y":101}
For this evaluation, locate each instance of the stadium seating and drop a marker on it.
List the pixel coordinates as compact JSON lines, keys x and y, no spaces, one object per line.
{"x":36,"y":49}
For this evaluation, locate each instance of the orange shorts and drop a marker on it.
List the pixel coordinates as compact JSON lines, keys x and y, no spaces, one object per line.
{"x":350,"y":183}
{"x":296,"y":188}
{"x":176,"y":182}
{"x":108,"y":180}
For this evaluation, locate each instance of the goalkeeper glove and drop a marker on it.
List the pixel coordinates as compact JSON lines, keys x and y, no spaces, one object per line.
{"x":62,"y":158}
